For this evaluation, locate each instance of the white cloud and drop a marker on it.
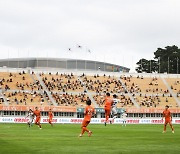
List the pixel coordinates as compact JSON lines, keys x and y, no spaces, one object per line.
{"x":116,"y":31}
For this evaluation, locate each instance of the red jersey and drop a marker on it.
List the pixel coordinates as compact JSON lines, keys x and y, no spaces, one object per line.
{"x":88,"y":113}
{"x":108,"y":103}
{"x":50,"y":114}
{"x":167,"y":114}
{"x":37,"y":113}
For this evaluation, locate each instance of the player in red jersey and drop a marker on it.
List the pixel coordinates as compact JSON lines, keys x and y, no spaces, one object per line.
{"x":37,"y":113}
{"x":168,"y":118}
{"x":89,"y":112}
{"x":107,"y":107}
{"x":50,"y":117}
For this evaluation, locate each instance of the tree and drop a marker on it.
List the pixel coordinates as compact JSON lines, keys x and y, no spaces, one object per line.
{"x":166,"y":60}
{"x":147,"y":66}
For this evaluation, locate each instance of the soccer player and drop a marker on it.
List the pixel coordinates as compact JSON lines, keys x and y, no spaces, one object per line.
{"x":89,"y":112}
{"x":114,"y":108}
{"x":107,"y":107}
{"x":124,"y":115}
{"x":168,"y":119}
{"x":37,"y":113}
{"x":31,"y":117}
{"x":50,"y":117}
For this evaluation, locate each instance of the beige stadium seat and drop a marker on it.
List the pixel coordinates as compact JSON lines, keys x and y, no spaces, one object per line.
{"x":158,"y":102}
{"x":21,"y":96}
{"x":16,"y":78}
{"x":63,"y":81}
{"x":144,"y":84}
{"x":174,"y":83}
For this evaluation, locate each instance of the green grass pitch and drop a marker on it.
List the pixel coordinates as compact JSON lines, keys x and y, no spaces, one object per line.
{"x":63,"y":138}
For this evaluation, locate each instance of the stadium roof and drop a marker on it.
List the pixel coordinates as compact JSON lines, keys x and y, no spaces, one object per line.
{"x":61,"y":63}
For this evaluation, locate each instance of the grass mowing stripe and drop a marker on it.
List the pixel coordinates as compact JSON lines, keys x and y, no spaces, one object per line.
{"x":17,"y":138}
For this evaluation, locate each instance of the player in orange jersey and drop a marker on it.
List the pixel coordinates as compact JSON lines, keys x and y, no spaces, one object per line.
{"x":88,"y":112}
{"x":50,"y":117}
{"x":107,"y":107}
{"x":168,"y":118}
{"x":37,"y":113}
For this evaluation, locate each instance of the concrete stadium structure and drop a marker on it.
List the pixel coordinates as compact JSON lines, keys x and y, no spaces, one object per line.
{"x":10,"y":113}
{"x":61,"y":63}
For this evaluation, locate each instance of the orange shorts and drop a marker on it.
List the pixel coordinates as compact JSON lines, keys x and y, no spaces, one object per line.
{"x":85,"y":123}
{"x":38,"y":119}
{"x":107,"y":112}
{"x":50,"y":120}
{"x":167,"y":121}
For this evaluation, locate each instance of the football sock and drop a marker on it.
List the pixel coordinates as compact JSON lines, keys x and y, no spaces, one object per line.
{"x":107,"y":118}
{"x":114,"y":117}
{"x":84,"y":129}
{"x":172,"y":127}
{"x":164,"y":127}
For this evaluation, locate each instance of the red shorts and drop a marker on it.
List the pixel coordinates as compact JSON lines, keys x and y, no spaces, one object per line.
{"x":107,"y":112}
{"x":38,"y":119}
{"x":85,"y":123}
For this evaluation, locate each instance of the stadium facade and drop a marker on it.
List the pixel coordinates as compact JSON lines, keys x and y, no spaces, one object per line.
{"x":61,"y":63}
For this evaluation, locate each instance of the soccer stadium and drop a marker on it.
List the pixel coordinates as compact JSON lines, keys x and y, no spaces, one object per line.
{"x":142,"y":96}
{"x":106,"y":99}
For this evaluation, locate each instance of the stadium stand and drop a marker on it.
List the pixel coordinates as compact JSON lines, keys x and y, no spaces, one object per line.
{"x":72,"y":89}
{"x":103,"y":84}
{"x":68,"y":89}
{"x":20,"y":81}
{"x":78,"y":100}
{"x":25,"y":98}
{"x":62,"y":82}
{"x":155,"y":101}
{"x":144,"y":85}
{"x":174,"y":83}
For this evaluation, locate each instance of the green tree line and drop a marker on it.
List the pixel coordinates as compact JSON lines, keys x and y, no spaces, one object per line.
{"x":165,"y":60}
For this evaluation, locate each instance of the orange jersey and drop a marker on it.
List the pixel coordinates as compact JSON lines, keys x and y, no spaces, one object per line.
{"x":167,"y":114}
{"x":88,"y":113}
{"x":50,"y":115}
{"x":108,"y":103}
{"x":37,"y":113}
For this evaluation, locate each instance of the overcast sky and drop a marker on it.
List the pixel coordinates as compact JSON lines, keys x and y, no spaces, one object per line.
{"x":116,"y":31}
